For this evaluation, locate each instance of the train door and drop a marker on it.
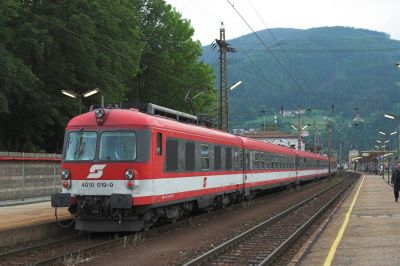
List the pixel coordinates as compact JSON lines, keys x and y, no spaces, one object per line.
{"x":246,"y":167}
{"x":296,"y":166}
{"x":291,"y":163}
{"x":158,"y":151}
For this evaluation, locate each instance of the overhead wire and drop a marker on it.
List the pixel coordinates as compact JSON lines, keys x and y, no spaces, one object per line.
{"x":326,"y":50}
{"x":236,"y":43}
{"x":151,"y":67}
{"x":292,"y":78}
{"x":300,"y":88}
{"x":280,"y":47}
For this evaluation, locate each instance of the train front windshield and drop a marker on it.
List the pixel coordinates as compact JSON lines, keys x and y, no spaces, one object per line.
{"x":80,"y":146}
{"x":113,"y":146}
{"x":117,"y":146}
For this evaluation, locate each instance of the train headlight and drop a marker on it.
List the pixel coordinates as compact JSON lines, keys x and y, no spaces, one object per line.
{"x":99,"y":113}
{"x":129,"y":174}
{"x":100,"y":116}
{"x":65,"y":174}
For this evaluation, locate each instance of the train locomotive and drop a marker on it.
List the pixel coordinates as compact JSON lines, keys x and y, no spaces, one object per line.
{"x":126,"y":170}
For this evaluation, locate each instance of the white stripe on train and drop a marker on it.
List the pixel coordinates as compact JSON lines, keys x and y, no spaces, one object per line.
{"x":163,"y":186}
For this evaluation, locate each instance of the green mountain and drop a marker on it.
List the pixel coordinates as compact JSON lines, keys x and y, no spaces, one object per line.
{"x":338,"y":72}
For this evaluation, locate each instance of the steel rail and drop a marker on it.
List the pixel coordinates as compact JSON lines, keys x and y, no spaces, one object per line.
{"x":234,"y":241}
{"x":77,"y":252}
{"x":123,"y":240}
{"x":80,"y":251}
{"x":301,"y":229}
{"x":34,"y":247}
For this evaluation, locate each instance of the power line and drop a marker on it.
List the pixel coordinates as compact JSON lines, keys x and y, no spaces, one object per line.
{"x":326,"y":50}
{"x":299,"y":87}
{"x":280,"y":47}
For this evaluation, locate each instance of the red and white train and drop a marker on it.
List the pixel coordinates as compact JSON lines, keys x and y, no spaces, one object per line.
{"x":125,"y":170}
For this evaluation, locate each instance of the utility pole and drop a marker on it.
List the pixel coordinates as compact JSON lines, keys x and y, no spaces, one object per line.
{"x":328,"y":139}
{"x":340,"y":158}
{"x":298,"y":128}
{"x":224,"y":48}
{"x":315,"y":137}
{"x":263,"y":112}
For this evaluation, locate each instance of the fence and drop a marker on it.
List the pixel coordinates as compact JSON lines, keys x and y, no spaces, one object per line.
{"x":28,"y":175}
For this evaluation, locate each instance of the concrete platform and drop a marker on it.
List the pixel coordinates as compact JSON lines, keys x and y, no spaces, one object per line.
{"x":12,"y":217}
{"x":364,"y":231}
{"x":22,"y":224}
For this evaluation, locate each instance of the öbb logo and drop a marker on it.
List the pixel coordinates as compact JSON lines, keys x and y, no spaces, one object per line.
{"x":96,"y":171}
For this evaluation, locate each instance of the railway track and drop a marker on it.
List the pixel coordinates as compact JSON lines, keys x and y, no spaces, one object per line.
{"x":79,"y":248}
{"x":261,"y":244}
{"x":42,"y":253}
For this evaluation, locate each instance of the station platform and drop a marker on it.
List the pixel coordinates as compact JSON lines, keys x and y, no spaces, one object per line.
{"x":24,"y":215}
{"x":365,"y":230}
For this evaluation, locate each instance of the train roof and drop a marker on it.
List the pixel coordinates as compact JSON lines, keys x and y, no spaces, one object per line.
{"x":321,"y":157}
{"x":306,"y":154}
{"x":125,"y":118}
{"x":261,"y":145}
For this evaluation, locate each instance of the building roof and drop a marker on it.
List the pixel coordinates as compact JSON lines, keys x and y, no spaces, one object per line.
{"x":269,"y":134}
{"x":371,"y":155}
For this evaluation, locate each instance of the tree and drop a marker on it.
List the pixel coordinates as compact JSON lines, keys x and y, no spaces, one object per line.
{"x":169,"y":65}
{"x":76,"y":45}
{"x":139,"y":50}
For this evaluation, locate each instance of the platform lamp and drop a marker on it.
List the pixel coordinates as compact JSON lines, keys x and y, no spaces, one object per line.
{"x":383,"y":157}
{"x":78,"y":96}
{"x":388,"y":134}
{"x":383,"y":143}
{"x":298,"y":127}
{"x":232,"y":87}
{"x":391,"y":116}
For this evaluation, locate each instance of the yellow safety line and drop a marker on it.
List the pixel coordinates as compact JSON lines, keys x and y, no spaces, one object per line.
{"x":332,"y":251}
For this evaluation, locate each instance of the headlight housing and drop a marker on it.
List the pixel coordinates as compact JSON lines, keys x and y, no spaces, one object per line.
{"x":99,"y":113}
{"x":65,"y":174}
{"x":129,"y":174}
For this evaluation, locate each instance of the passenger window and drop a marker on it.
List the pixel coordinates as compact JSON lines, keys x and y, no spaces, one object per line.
{"x":255,"y":160}
{"x":240,"y":158}
{"x":172,"y":155}
{"x":235,"y":161}
{"x":189,"y":156}
{"x":159,"y":144}
{"x":228,"y":162}
{"x":205,"y":157}
{"x":217,"y":157}
{"x":248,"y":160}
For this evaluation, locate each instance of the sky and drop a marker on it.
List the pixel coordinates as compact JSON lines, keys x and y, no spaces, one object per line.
{"x":207,"y":15}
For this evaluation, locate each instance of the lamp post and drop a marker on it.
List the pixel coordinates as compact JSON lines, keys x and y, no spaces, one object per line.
{"x":328,"y":140}
{"x":391,"y":116}
{"x":383,"y":145}
{"x":299,"y":131}
{"x":78,"y":96}
{"x":232,"y":87}
{"x":387,"y":135}
{"x":299,"y":128}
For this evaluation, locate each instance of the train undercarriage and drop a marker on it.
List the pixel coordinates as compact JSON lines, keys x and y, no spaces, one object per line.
{"x":112,"y":213}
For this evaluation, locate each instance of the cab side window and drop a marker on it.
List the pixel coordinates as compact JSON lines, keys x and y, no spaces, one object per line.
{"x":159,"y":144}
